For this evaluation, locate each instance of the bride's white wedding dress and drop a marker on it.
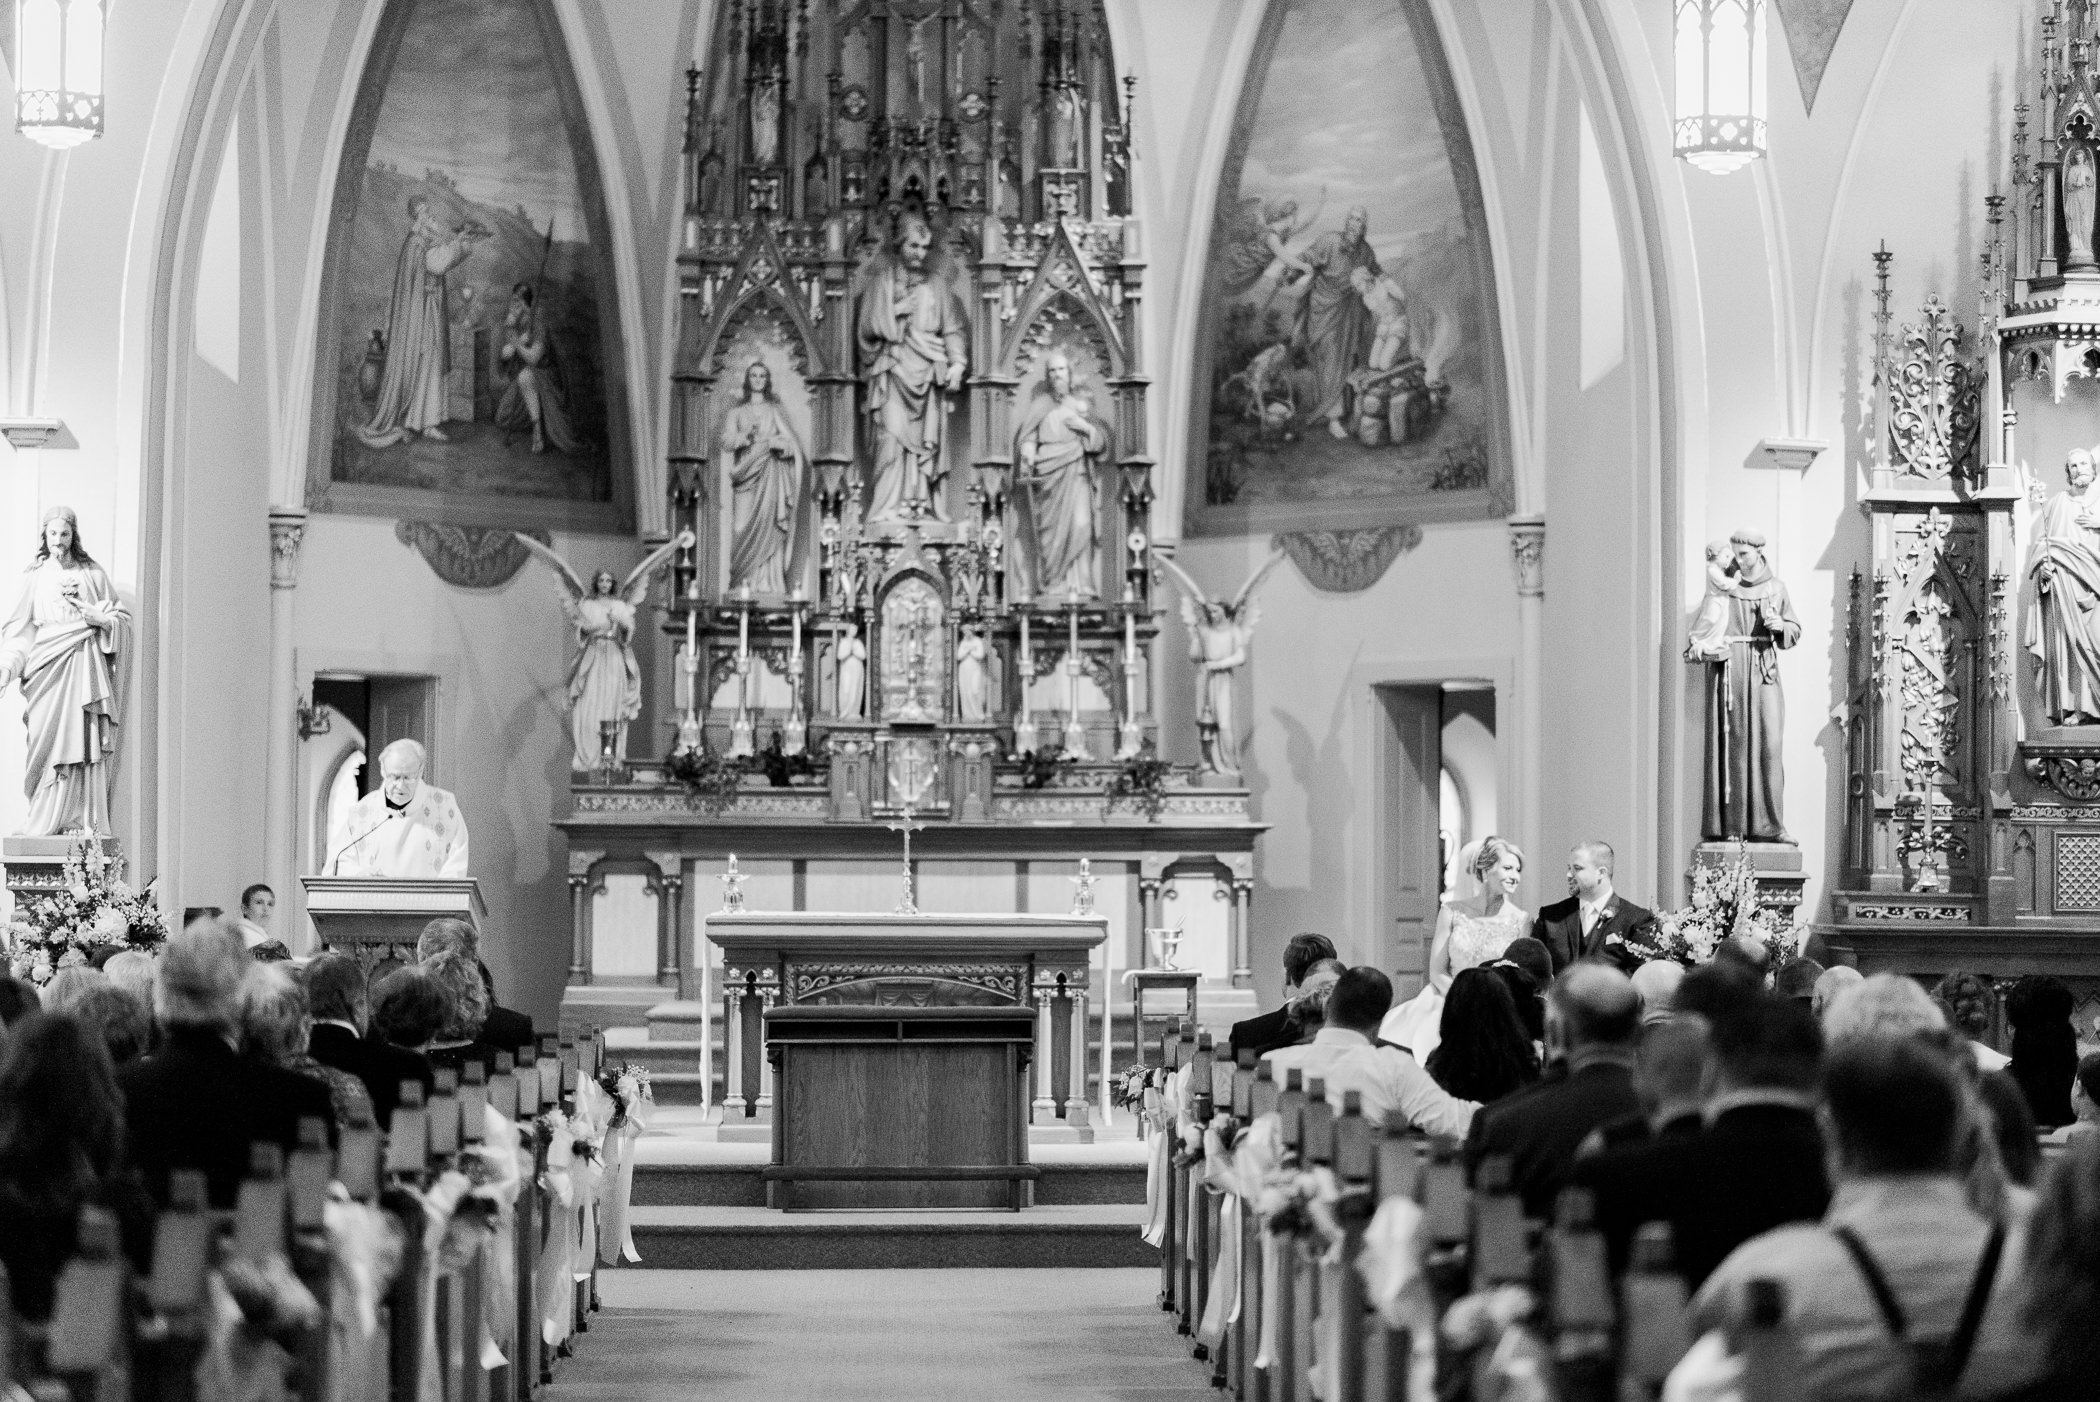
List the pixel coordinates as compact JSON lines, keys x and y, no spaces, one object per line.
{"x":1472,"y":939}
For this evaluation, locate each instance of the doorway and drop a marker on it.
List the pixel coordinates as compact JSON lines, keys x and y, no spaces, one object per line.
{"x":1437,"y":796}
{"x":364,"y":715}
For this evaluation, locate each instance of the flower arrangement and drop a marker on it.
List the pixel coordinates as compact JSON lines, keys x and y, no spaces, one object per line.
{"x":708,"y":777}
{"x":1140,"y":782}
{"x":1724,"y":906}
{"x":1126,"y":1089}
{"x":629,"y":1088}
{"x":92,"y":906}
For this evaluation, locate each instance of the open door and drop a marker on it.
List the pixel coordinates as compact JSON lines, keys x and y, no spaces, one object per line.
{"x":1409,"y":848}
{"x":403,"y":708}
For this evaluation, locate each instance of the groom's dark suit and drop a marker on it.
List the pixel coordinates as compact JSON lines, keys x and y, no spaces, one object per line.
{"x":1559,"y":928}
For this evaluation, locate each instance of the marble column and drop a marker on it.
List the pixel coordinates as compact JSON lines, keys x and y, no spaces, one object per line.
{"x":281,"y":750}
{"x":1527,"y":555}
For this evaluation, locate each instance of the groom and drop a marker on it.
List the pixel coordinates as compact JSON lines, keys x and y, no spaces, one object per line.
{"x":1596,"y":921}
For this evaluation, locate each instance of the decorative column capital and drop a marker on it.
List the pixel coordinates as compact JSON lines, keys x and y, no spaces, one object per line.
{"x":287,"y":530}
{"x":1527,"y":553}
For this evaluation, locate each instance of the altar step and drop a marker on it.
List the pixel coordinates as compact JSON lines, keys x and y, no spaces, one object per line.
{"x":1063,"y":1184}
{"x":758,"y":1238}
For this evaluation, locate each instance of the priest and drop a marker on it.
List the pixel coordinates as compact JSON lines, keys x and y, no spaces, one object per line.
{"x":404,"y":828}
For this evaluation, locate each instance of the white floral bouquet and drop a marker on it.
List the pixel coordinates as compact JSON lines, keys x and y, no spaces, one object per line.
{"x":1725,"y":906}
{"x":92,"y":906}
{"x":629,"y":1088}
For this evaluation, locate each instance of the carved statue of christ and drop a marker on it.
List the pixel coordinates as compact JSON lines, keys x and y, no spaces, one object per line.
{"x":913,"y":352}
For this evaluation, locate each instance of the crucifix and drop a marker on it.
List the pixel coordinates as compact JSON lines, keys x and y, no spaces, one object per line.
{"x":905,"y":825}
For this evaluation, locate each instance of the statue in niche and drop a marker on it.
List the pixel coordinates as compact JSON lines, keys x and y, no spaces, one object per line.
{"x":2063,"y":627}
{"x":2079,"y":202}
{"x":765,"y":121}
{"x":605,"y":682}
{"x":1219,"y":634}
{"x":64,"y":643}
{"x":1745,"y":708}
{"x":1058,"y":452}
{"x":763,"y":461}
{"x":973,"y":690}
{"x":913,"y":350}
{"x":915,"y":664}
{"x":852,"y":655}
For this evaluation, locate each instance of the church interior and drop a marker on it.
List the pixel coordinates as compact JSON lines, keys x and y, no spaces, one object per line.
{"x":883,"y":566}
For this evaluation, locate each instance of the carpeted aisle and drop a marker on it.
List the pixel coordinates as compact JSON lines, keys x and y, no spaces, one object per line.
{"x":845,"y":1336}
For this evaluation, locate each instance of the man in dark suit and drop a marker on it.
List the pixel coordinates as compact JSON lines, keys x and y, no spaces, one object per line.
{"x":1758,"y":1163}
{"x":504,"y":1029}
{"x":335,"y":989}
{"x":1268,"y":1031}
{"x":1596,"y":921}
{"x":1669,"y":1075}
{"x":1593,"y":1020}
{"x":197,"y":1102}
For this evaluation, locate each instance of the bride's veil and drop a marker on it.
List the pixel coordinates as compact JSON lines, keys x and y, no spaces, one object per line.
{"x":1460,"y":884}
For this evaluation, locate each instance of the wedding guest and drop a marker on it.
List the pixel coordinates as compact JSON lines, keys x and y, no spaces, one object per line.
{"x":274,"y":1030}
{"x":67,"y":985}
{"x":1265,"y":1032}
{"x":2044,"y":1046}
{"x":1968,"y":1004}
{"x":2085,"y":1101}
{"x":1527,"y":971}
{"x":119,"y":1019}
{"x":2013,"y":1132}
{"x":1669,"y":1076}
{"x":2062,"y":1276}
{"x":132,"y":971}
{"x":505,"y":1029}
{"x":1886,"y":1005}
{"x":408,"y":1007}
{"x":458,"y":1039}
{"x":1345,"y":1055}
{"x":1797,"y":979}
{"x":1483,"y":1053}
{"x":1595,"y":921}
{"x":1593,"y":1020}
{"x":1716,"y":989}
{"x":335,"y":995}
{"x":1656,"y":981}
{"x":1533,"y":958}
{"x":61,"y":1148}
{"x":1899,"y":1214}
{"x":196,"y":1103}
{"x":17,"y":1000}
{"x":1755,"y":1164}
{"x":1835,"y":979}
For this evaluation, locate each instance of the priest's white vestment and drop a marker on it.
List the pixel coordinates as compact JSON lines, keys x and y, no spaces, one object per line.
{"x":427,"y":837}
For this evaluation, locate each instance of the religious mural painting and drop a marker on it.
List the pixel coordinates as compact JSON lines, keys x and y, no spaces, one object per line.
{"x":469,"y":357}
{"x":1353,"y":374}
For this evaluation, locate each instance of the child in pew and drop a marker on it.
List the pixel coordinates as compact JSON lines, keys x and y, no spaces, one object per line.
{"x":61,"y":1146}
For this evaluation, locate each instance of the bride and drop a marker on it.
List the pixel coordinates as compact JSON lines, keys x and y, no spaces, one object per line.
{"x":1470,"y":930}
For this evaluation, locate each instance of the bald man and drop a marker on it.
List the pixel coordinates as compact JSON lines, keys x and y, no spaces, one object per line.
{"x":1593,"y":1022}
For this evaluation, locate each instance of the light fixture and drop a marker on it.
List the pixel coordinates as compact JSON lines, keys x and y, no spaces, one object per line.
{"x":58,"y":71}
{"x":1720,"y":83}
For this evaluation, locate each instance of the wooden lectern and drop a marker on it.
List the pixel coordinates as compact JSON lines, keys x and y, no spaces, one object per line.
{"x":377,"y":918}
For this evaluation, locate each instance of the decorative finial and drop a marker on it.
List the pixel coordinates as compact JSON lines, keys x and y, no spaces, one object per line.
{"x":733,"y":889}
{"x":1083,"y":888}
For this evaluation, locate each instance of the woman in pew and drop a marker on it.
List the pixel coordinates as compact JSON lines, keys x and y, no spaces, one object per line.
{"x":118,"y":1017}
{"x":409,"y":1006}
{"x":459,"y":1039}
{"x":1483,"y":1052}
{"x":275,"y":1027}
{"x":61,"y":1147}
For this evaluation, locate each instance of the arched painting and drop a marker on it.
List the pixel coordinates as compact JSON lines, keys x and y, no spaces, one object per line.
{"x":469,"y":363}
{"x":1353,"y":376}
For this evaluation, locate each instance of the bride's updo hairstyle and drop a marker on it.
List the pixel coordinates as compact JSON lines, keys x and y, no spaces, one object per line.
{"x":1492,"y":850}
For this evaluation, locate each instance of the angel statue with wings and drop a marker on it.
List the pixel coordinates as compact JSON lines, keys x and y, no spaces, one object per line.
{"x":1218,"y":636}
{"x":605,"y":682}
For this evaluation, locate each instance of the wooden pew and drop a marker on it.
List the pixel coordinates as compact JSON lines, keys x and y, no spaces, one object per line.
{"x":1285,"y":1381}
{"x":1201,"y":1210}
{"x":1170,"y":1246}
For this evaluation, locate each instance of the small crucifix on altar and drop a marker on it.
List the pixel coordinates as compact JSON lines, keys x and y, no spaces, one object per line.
{"x":904,"y":824}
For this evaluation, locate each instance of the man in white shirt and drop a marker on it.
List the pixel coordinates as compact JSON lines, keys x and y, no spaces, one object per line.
{"x":1345,"y":1056}
{"x":405,"y":828}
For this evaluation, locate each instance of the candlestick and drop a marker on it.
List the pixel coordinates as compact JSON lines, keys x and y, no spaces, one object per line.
{"x":1025,"y":739}
{"x":1133,"y":738}
{"x":1075,"y":736}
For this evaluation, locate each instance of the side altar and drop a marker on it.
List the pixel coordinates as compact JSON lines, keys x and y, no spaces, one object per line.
{"x":908,"y":537}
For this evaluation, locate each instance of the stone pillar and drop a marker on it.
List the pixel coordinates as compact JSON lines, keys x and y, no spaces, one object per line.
{"x":1242,"y":924}
{"x":281,"y":823}
{"x":732,"y":1043}
{"x":580,"y":887}
{"x":767,"y":997}
{"x":1076,"y":1115}
{"x":1044,"y":1111}
{"x":670,"y":914}
{"x":1527,"y":554}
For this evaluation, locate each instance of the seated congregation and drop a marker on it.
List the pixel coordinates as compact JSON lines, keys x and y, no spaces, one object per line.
{"x":1730,"y":1182}
{"x":222,"y":1173}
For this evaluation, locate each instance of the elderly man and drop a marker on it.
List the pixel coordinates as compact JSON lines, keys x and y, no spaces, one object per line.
{"x":1593,"y":1020}
{"x":1345,"y":1057}
{"x":198,"y":1103}
{"x":405,"y":828}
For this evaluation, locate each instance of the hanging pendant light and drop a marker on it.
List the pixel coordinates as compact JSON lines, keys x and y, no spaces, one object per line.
{"x":1720,"y":83}
{"x":58,"y":71}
